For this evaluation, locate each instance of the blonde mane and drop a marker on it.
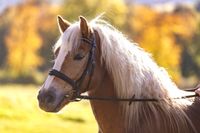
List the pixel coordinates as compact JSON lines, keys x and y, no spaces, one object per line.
{"x":135,"y":73}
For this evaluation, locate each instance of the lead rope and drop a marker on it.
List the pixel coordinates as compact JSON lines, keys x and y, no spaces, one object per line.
{"x":133,"y":99}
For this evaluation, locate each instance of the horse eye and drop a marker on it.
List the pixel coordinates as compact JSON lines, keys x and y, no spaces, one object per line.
{"x":78,"y":56}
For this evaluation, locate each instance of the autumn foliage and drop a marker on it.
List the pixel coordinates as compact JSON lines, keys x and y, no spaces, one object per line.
{"x":157,"y":33}
{"x":23,"y":40}
{"x":31,"y":32}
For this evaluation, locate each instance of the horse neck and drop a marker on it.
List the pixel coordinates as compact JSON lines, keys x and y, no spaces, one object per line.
{"x":102,"y":86}
{"x":146,"y":80}
{"x":137,"y":117}
{"x":107,"y":113}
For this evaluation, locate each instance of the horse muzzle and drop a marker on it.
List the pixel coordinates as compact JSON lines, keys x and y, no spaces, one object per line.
{"x":50,"y":101}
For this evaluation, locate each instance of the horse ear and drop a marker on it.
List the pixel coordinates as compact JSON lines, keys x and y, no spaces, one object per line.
{"x":84,"y":26}
{"x":62,"y":24}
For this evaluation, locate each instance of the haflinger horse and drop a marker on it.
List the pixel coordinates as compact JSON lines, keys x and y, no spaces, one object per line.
{"x":129,"y":92}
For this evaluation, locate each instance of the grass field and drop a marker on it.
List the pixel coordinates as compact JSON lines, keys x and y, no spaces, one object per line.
{"x":19,"y":113}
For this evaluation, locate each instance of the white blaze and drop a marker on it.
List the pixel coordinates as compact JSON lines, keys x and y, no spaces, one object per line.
{"x":64,"y":48}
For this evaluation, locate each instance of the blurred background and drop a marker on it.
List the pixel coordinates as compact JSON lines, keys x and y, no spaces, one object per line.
{"x":168,"y":29}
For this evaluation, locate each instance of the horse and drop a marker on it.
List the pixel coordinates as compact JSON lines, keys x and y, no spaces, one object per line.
{"x":133,"y":94}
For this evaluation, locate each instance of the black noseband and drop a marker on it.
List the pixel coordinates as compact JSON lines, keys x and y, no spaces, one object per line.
{"x":76,"y":84}
{"x":62,"y":76}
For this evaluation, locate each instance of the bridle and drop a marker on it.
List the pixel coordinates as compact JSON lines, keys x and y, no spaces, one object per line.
{"x":76,"y":84}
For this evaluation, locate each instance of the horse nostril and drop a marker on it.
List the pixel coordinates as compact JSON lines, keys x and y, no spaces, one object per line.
{"x":49,"y":98}
{"x":39,"y":96}
{"x":46,"y":97}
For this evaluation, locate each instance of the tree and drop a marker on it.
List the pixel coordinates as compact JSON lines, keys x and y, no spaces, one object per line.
{"x":115,"y":11}
{"x":190,"y":56}
{"x":156,"y":32}
{"x":23,"y":40}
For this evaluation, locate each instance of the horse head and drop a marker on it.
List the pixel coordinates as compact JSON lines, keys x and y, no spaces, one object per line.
{"x":75,"y":68}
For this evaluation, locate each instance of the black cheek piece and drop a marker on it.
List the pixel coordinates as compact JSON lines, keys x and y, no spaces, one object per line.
{"x":76,"y":84}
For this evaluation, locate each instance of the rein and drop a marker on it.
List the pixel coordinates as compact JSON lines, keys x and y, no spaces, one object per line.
{"x":133,"y":99}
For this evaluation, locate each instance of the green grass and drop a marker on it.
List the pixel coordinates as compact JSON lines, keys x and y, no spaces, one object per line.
{"x":19,"y":113}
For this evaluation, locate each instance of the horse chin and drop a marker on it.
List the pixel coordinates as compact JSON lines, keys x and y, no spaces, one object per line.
{"x":61,"y":103}
{"x":59,"y":106}
{"x":55,"y":107}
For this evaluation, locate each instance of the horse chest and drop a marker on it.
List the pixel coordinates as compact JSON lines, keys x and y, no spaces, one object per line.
{"x":108,"y":117}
